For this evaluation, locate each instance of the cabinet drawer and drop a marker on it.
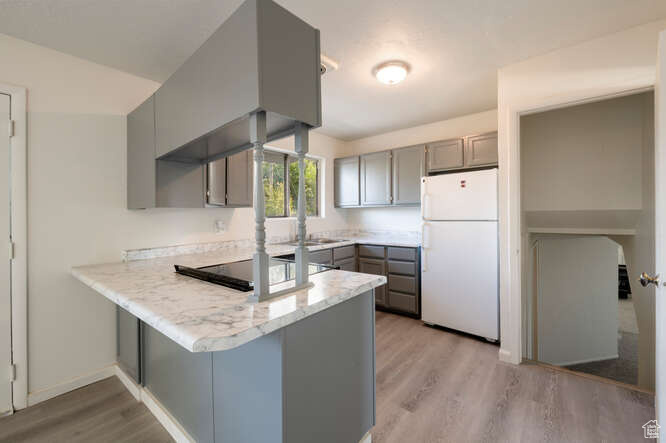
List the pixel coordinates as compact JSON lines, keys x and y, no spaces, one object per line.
{"x":344,"y":252}
{"x":407,"y":254}
{"x":402,"y":283}
{"x":371,"y":251}
{"x":402,"y":302}
{"x":323,"y":257}
{"x":401,"y":267}
{"x":348,"y":264}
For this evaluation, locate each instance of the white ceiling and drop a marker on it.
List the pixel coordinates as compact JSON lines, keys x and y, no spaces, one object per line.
{"x":453,"y":46}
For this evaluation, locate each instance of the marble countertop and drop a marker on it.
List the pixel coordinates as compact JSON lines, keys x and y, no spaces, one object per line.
{"x":205,"y":317}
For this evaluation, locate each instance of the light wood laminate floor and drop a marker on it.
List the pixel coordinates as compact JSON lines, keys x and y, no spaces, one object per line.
{"x":432,"y":386}
{"x":438,"y":386}
{"x":102,"y":412}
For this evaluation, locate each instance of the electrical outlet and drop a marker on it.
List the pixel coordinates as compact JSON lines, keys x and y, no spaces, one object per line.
{"x":220,"y":227}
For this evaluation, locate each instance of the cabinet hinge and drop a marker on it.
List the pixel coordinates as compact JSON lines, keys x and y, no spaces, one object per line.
{"x":12,"y":373}
{"x":11,"y":250}
{"x":11,"y":128}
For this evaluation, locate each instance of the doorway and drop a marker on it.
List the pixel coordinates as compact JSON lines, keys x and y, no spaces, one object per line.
{"x":5,"y":264}
{"x":587,"y":203}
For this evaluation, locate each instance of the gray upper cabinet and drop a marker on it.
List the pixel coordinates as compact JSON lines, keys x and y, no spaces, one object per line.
{"x":481,"y":150}
{"x":216,"y":176}
{"x":445,"y":155}
{"x":408,"y":168}
{"x":248,"y":64}
{"x":141,"y":156}
{"x":346,"y":182}
{"x":240,"y":173}
{"x":229,"y":181}
{"x":376,"y":179}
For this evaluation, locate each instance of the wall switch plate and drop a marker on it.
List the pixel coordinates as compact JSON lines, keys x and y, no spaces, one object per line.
{"x":220,"y":226}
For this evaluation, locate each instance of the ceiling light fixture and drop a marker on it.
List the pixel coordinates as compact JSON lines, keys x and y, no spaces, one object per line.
{"x":391,"y":72}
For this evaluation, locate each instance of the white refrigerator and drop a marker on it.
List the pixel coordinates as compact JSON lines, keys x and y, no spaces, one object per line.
{"x":459,"y":254}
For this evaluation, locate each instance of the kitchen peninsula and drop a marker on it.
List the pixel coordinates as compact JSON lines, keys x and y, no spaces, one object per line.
{"x":296,"y":368}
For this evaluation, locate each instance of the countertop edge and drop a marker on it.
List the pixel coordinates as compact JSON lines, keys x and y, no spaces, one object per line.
{"x":207,"y":344}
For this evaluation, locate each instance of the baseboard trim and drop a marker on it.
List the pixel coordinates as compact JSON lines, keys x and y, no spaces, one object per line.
{"x":165,"y":418}
{"x":70,"y":385}
{"x":506,"y":357}
{"x":587,"y":360}
{"x":144,"y":396}
{"x":133,"y":387}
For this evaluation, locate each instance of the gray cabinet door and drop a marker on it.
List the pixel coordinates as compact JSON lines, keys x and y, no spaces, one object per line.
{"x":240,"y":171}
{"x":348,"y":264}
{"x":141,"y":156}
{"x":127,"y":342}
{"x":481,"y":150}
{"x":216,"y":182}
{"x":375,"y":267}
{"x":376,"y":179}
{"x":180,"y":185}
{"x":322,"y":257}
{"x":408,"y":168}
{"x":444,"y":155}
{"x":346,"y":182}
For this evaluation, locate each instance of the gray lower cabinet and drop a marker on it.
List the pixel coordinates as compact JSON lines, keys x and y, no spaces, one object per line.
{"x":128,"y":343}
{"x":481,"y":150}
{"x":408,"y":168}
{"x":345,"y":258}
{"x":445,"y":155}
{"x":376,"y":179}
{"x":401,"y":267}
{"x":322,"y":257}
{"x":376,"y":267}
{"x":346,"y":182}
{"x":309,"y":381}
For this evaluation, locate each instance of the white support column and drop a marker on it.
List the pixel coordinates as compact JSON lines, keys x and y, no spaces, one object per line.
{"x":302,"y":260}
{"x":260,"y":259}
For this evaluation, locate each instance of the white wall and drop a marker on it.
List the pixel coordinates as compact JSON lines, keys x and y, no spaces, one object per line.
{"x":77,"y":201}
{"x":577,"y":299}
{"x":607,"y":65}
{"x":408,"y":218}
{"x":585,"y":157}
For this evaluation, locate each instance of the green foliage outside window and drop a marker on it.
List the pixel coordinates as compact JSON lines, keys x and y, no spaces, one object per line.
{"x":275,"y":193}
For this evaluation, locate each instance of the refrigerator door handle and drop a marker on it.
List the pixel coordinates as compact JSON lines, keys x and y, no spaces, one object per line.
{"x":425,"y":207}
{"x":425,"y":241}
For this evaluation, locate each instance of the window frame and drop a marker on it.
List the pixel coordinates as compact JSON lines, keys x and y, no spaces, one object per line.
{"x":287,"y":159}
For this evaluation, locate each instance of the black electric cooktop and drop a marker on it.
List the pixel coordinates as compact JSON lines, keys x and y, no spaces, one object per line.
{"x":238,"y":275}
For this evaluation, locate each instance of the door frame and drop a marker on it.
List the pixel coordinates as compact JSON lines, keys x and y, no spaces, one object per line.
{"x":513,"y":249}
{"x":19,"y":222}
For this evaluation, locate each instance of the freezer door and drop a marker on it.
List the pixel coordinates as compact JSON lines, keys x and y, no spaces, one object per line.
{"x":459,"y":276}
{"x":461,"y":196}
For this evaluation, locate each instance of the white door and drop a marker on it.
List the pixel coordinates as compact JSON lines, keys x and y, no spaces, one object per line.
{"x":5,"y":272}
{"x":460,"y":196}
{"x":459,"y":276}
{"x":660,"y":222}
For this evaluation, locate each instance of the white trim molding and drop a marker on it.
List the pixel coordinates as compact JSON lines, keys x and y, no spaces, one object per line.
{"x":70,"y":385}
{"x":19,"y":222}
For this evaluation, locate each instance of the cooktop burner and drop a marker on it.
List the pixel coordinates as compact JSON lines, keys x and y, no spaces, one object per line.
{"x":238,"y":275}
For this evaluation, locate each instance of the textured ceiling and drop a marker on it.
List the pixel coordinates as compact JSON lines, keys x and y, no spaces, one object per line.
{"x":453,"y":46}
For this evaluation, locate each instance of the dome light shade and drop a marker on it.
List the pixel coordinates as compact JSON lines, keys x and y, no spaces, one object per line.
{"x":392,"y":72}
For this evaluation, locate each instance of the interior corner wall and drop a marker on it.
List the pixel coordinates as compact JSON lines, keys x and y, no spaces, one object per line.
{"x":77,"y":205}
{"x":605,"y":66}
{"x":583,"y":158}
{"x":409,"y":218}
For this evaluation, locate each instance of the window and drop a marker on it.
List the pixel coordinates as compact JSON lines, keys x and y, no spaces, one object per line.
{"x":282,"y":199}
